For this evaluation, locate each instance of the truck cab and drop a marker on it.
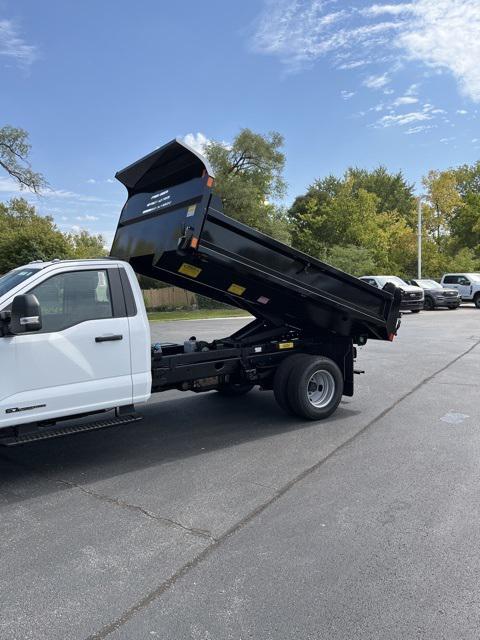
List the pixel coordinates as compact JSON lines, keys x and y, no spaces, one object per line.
{"x":73,"y":353}
{"x":467,"y":285}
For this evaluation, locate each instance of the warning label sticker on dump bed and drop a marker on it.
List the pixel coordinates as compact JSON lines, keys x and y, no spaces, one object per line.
{"x":237,"y":289}
{"x":189,"y":270}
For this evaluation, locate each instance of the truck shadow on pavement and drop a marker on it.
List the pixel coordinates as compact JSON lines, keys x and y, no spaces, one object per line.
{"x":171,"y":430}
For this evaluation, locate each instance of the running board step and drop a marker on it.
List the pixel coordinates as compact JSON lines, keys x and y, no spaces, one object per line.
{"x":45,"y":434}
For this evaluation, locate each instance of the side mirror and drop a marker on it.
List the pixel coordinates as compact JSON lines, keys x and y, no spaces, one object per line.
{"x":25,"y":314}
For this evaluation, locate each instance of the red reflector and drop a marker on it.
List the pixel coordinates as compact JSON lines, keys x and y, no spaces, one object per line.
{"x":194,"y":243}
{"x":210,"y":181}
{"x":391,"y":336}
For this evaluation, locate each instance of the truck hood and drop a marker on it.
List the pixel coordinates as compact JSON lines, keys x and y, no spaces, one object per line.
{"x":409,"y":288}
{"x":441,"y":292}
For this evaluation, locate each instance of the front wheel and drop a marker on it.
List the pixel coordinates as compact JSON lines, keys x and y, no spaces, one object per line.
{"x":477,"y":300}
{"x":315,"y":388}
{"x":429,"y":305}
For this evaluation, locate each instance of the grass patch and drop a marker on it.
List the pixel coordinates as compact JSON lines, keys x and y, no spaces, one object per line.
{"x":199,"y":314}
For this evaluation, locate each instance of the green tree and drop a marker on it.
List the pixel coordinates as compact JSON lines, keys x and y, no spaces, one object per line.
{"x":465,"y":223}
{"x":86,"y":245}
{"x":444,"y":201}
{"x":391,"y":189}
{"x":26,"y":236}
{"x":342,"y":222}
{"x":14,"y":159}
{"x":248,"y":178}
{"x":355,"y":260}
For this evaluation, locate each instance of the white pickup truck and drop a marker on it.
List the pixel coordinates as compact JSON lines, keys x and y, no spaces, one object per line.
{"x":467,"y":285}
{"x":75,"y":337}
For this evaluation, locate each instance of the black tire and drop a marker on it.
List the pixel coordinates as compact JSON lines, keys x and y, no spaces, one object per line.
{"x":280,"y":381}
{"x":416,"y":310}
{"x":319,"y":371}
{"x":476,"y":300}
{"x":429,"y":304}
{"x":235,"y":389}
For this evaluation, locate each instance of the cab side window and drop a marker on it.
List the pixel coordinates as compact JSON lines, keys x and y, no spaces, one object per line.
{"x":73,"y":297}
{"x":451,"y":280}
{"x":463,"y":280}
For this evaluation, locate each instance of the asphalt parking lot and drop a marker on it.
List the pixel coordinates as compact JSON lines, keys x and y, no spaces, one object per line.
{"x":216,"y":518}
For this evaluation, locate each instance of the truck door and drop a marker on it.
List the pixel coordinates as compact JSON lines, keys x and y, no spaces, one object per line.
{"x":80,"y":360}
{"x":464,"y":288}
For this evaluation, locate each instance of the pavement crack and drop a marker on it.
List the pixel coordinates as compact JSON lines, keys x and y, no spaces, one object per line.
{"x":203,"y":555}
{"x":123,"y":504}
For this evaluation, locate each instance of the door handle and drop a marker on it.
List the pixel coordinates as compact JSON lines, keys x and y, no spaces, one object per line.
{"x":108,"y":338}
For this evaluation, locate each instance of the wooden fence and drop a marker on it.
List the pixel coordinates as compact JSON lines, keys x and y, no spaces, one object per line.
{"x":169,"y":298}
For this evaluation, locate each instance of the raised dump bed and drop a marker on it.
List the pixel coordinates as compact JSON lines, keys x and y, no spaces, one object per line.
{"x":172,"y":228}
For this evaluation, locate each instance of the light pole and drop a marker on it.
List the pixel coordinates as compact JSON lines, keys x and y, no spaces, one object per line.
{"x":419,"y":262}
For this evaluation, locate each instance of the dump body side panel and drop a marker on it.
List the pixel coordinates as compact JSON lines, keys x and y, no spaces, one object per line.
{"x":173,"y":228}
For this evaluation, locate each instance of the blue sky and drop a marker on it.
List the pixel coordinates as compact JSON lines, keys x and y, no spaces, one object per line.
{"x":100,"y":83}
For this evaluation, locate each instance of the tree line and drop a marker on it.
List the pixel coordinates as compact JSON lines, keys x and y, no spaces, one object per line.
{"x":364,"y":221}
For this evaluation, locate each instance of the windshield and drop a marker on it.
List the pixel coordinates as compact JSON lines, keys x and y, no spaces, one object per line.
{"x":382,"y":281}
{"x":15,"y":277}
{"x":429,"y":284}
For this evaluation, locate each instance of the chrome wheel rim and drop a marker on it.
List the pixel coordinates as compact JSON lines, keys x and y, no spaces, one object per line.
{"x":320,"y":389}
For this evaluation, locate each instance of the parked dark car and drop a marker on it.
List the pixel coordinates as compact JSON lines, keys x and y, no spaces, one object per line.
{"x":412,"y":296}
{"x":437,"y":296}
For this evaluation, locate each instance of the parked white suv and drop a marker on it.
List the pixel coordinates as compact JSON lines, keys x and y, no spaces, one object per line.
{"x":467,"y":285}
{"x":412,"y":297}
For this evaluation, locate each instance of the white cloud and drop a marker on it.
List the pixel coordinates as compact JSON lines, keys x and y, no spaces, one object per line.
{"x":346,"y":95}
{"x":418,"y":129}
{"x":412,"y":90}
{"x":386,"y":9}
{"x":13,"y":46}
{"x":462,"y":112}
{"x":86,"y":218}
{"x":441,"y":34}
{"x":444,"y":34}
{"x":403,"y":100}
{"x":62,"y":194}
{"x":100,"y":181}
{"x":403,"y":119}
{"x":376,"y":82}
{"x":197,"y":141}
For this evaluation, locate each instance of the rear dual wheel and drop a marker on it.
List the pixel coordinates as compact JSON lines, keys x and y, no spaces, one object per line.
{"x":308,"y":386}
